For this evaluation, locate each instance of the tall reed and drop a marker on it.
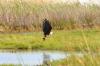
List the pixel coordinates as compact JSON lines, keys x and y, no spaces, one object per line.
{"x":22,"y":15}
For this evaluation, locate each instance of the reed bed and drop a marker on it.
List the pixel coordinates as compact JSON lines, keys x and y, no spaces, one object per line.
{"x":25,"y":16}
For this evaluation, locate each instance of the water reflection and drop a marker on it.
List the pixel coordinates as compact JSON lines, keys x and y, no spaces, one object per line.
{"x":30,"y":58}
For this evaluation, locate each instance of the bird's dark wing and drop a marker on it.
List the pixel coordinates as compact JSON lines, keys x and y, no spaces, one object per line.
{"x":46,"y":27}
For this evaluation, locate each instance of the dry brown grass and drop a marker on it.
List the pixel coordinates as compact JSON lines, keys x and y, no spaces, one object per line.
{"x":23,"y":15}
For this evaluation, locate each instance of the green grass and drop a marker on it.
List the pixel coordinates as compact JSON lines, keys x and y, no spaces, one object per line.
{"x":87,"y":60}
{"x":9,"y":65}
{"x":74,"y":40}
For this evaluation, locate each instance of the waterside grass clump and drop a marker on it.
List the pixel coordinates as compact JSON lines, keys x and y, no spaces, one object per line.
{"x":86,"y":60}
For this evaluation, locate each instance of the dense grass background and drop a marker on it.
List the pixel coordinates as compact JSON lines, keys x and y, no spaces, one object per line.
{"x":22,"y":15}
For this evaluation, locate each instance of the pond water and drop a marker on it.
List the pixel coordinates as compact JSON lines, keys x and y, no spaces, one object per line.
{"x":30,"y":58}
{"x":37,"y":57}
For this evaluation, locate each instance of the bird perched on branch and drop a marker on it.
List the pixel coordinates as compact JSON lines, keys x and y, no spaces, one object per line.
{"x":46,"y":28}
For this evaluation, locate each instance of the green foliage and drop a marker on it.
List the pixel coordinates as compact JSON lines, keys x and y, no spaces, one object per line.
{"x":74,"y":40}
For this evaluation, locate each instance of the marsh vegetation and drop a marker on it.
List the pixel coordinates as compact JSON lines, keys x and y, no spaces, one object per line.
{"x":25,"y":16}
{"x":76,"y":28}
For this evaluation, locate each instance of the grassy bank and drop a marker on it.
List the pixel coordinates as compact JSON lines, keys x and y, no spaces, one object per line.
{"x":74,"y":40}
{"x":87,"y":60}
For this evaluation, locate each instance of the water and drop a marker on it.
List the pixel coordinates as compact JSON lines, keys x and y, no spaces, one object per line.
{"x":30,"y":58}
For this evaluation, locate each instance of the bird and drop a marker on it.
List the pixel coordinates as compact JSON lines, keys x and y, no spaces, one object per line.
{"x":46,"y":28}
